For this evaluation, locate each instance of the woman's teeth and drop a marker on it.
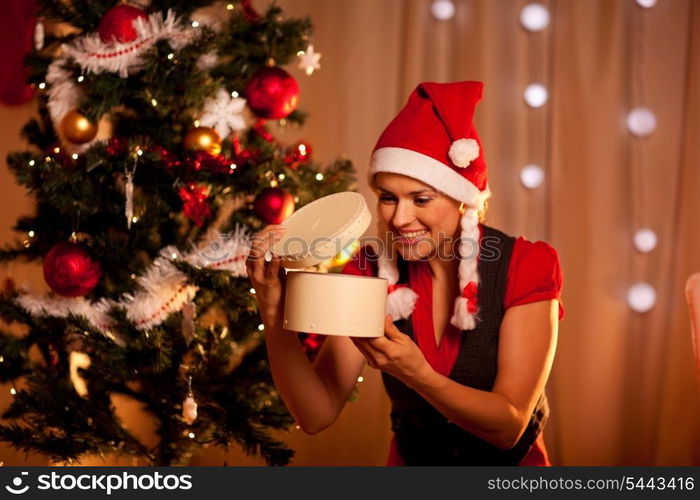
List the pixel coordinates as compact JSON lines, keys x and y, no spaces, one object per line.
{"x":413,"y":234}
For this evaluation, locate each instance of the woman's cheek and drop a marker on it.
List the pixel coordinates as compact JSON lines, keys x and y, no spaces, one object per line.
{"x":385,"y":213}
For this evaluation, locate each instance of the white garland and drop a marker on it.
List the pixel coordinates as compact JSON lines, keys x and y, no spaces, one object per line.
{"x":62,"y":307}
{"x":93,"y":55}
{"x":164,"y":289}
{"x":63,"y":94}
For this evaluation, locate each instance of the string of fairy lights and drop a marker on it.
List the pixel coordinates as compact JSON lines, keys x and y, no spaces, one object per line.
{"x":534,"y":18}
{"x":640,"y":121}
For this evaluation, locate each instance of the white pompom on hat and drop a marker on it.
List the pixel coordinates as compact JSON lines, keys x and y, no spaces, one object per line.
{"x":433,"y":140}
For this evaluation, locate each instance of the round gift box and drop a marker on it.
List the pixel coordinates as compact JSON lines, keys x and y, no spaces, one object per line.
{"x":322,"y":229}
{"x":335,"y":304}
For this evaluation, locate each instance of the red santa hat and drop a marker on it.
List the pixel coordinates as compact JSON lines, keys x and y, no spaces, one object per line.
{"x":433,"y":140}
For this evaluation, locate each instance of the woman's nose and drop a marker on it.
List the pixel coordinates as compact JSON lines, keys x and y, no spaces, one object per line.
{"x":403,"y":215}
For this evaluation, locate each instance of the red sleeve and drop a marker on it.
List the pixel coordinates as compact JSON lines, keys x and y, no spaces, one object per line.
{"x":534,"y":274}
{"x":362,"y":263}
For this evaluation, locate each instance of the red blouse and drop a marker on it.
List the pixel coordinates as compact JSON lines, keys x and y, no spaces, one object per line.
{"x":534,"y":274}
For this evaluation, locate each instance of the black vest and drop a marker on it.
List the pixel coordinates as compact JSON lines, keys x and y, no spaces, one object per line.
{"x":424,"y":436}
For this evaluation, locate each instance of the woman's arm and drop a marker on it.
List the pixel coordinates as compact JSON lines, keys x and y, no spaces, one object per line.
{"x":527,"y":342}
{"x":316,"y":394}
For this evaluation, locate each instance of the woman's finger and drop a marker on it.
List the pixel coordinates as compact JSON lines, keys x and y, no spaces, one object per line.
{"x":390,"y":330}
{"x":261,"y":242}
{"x":376,"y":346}
{"x":272,"y":269}
{"x":373,"y":356}
{"x":379,"y":347}
{"x":257,"y":270}
{"x":360,"y":347}
{"x":256,"y":264}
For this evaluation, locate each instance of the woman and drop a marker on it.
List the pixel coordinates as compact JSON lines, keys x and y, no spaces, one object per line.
{"x":468,"y":391}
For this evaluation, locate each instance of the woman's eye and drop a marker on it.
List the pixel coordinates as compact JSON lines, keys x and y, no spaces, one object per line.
{"x":386,"y":198}
{"x":422,"y":201}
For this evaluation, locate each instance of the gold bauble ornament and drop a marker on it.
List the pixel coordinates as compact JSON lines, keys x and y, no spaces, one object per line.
{"x":203,"y":139}
{"x":76,"y":128}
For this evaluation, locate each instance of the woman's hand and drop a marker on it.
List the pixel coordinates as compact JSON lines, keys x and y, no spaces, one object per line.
{"x":267,"y":278}
{"x":395,"y":353}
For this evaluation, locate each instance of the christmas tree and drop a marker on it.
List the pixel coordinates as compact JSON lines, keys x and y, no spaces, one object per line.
{"x":152,"y":161}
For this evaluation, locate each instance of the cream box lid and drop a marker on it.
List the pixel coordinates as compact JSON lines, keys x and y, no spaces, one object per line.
{"x":322,"y":229}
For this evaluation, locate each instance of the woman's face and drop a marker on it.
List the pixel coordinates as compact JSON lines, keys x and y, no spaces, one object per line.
{"x":420,"y":219}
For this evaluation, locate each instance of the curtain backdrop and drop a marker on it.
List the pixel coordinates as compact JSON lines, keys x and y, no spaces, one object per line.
{"x":623,"y":389}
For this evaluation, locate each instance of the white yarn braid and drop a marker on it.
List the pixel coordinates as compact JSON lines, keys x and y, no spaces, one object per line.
{"x":468,"y":254}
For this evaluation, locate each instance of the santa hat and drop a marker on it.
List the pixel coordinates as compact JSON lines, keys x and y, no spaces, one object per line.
{"x":433,"y":140}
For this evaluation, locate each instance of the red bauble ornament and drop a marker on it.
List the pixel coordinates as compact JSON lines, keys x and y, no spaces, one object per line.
{"x":272,"y":93}
{"x":70,"y":271}
{"x":274,"y":205}
{"x":117,"y":24}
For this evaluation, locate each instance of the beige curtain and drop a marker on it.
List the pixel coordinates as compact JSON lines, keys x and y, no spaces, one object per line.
{"x":623,"y":389}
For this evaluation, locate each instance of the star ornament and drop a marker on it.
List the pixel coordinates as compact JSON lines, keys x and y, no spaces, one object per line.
{"x":309,"y":60}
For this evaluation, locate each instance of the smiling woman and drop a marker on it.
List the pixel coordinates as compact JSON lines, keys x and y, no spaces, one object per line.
{"x":423,"y":221}
{"x":473,"y":313}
